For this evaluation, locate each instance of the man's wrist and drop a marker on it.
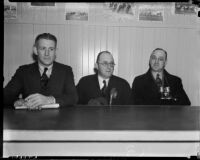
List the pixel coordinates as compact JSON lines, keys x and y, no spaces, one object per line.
{"x":51,"y":100}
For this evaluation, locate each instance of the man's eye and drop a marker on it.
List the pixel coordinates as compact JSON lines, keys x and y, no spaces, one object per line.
{"x":51,"y":49}
{"x":42,"y":48}
{"x":161,"y":59}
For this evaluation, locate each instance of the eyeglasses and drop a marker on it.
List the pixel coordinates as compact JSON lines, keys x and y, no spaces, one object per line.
{"x":43,"y":49}
{"x":105,"y":64}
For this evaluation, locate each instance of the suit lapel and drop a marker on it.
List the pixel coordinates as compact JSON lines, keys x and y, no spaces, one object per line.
{"x":96,"y":82}
{"x":166,"y":79}
{"x":35,"y":76}
{"x":110,"y":83}
{"x":55,"y":73}
{"x":151,"y":83}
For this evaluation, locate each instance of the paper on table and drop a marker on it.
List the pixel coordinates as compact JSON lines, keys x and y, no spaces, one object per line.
{"x":56,"y":105}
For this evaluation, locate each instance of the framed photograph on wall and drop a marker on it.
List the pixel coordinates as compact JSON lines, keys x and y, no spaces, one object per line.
{"x":150,"y":13}
{"x":10,"y":10}
{"x":184,"y":8}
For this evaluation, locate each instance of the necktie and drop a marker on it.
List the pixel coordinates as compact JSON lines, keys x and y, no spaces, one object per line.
{"x":103,"y":90}
{"x":158,"y":80}
{"x":44,"y":78}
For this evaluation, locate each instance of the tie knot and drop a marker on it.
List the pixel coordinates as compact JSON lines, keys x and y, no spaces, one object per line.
{"x":44,"y":77}
{"x":103,"y":90}
{"x":45,"y":70}
{"x":157,"y":76}
{"x":104,"y":82}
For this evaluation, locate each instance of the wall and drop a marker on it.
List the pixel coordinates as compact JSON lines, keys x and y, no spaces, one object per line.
{"x":130,"y":42}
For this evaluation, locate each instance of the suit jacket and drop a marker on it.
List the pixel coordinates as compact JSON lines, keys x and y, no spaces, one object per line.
{"x":26,"y":81}
{"x":146,"y":92}
{"x":88,"y":88}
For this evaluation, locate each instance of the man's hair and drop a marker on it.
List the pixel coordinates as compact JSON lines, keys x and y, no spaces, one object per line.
{"x":47,"y":36}
{"x":160,"y":49}
{"x":100,"y":53}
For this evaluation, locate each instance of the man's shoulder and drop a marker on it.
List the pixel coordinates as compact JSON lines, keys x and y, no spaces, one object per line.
{"x":141,"y":76}
{"x":172,"y":76}
{"x":27,"y":66}
{"x":119,"y":79}
{"x":88,"y":78}
{"x":62,"y":66}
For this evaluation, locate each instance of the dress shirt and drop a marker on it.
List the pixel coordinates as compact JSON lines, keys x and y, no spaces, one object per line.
{"x":155,"y":74}
{"x":101,"y":84}
{"x":41,"y":69}
{"x":51,"y":99}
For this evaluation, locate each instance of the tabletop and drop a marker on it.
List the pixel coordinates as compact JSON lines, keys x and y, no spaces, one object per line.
{"x":105,"y":118}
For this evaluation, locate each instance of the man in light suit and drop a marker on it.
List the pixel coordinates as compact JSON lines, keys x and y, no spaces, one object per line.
{"x":103,"y":88}
{"x":44,"y":81}
{"x":157,"y":86}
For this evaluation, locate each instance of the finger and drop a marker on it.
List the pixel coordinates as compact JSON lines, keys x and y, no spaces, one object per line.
{"x":32,"y":104}
{"x":32,"y":96}
{"x":35,"y":105}
{"x":39,"y":107}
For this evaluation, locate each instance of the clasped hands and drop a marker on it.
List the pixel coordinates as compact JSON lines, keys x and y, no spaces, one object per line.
{"x":98,"y":101}
{"x":33,"y":101}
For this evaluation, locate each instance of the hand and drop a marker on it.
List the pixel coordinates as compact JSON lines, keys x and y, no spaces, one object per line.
{"x":98,"y":101}
{"x":35,"y":101}
{"x":19,"y":102}
{"x":93,"y":102}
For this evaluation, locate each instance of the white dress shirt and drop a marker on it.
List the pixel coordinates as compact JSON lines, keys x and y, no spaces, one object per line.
{"x":41,"y":69}
{"x":101,"y":84}
{"x":51,"y":99}
{"x":155,"y":74}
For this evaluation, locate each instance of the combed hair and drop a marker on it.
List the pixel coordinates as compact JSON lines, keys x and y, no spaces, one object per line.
{"x":160,"y":50}
{"x":47,"y":36}
{"x":100,"y":53}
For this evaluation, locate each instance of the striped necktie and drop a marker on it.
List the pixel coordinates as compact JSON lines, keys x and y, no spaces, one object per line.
{"x":158,"y":80}
{"x":44,"y":78}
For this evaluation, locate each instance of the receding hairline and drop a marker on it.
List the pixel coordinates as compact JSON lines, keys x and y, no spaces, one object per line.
{"x":159,"y":49}
{"x":102,"y":52}
{"x":46,"y":36}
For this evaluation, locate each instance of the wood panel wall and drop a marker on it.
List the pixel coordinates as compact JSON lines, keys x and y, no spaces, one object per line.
{"x":130,"y":42}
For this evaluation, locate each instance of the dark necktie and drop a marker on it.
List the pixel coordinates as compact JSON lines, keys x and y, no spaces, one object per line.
{"x":103,"y":90}
{"x":44,"y":78}
{"x":158,"y":80}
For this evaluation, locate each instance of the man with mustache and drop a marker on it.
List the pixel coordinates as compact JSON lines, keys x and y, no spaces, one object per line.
{"x":157,"y":86}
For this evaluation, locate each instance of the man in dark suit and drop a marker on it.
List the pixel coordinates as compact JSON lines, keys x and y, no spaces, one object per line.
{"x":103,"y":88}
{"x":157,"y":86}
{"x":44,"y":81}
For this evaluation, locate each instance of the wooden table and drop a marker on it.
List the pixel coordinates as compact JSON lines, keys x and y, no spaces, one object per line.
{"x":103,"y":131}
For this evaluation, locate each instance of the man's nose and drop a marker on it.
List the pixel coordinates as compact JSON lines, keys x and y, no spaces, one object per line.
{"x":156,"y":60}
{"x":46,"y":52}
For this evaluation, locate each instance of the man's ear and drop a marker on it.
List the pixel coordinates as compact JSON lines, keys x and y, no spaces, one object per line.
{"x":35,"y":50}
{"x":165,"y":62}
{"x":96,"y":66}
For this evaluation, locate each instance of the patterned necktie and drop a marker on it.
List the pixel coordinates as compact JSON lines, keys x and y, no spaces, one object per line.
{"x":44,"y":78}
{"x":158,"y":80}
{"x":103,"y":90}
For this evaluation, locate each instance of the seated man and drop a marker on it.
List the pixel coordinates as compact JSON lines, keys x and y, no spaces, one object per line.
{"x":103,"y":88}
{"x":157,"y":86}
{"x":42,"y":82}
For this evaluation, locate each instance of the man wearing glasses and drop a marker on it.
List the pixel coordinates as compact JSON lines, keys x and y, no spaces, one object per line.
{"x":43,"y":82}
{"x":103,"y":88}
{"x":157,"y":86}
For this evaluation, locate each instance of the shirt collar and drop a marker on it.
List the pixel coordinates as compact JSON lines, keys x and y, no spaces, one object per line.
{"x":41,"y":69}
{"x":100,"y":79}
{"x":155,"y":74}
